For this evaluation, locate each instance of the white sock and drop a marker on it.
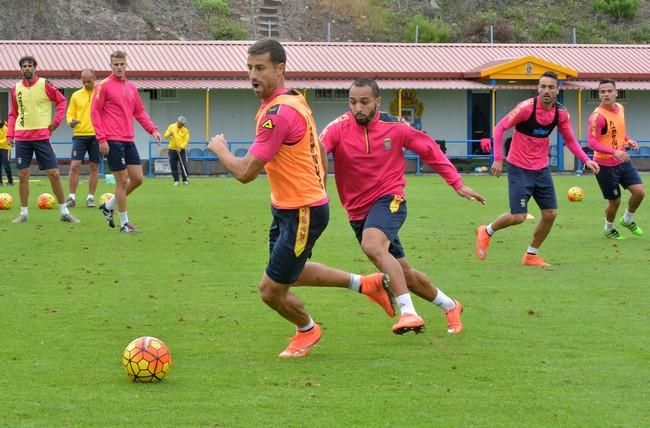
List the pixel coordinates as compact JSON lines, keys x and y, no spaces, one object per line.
{"x":489,"y":229}
{"x":124,"y":218}
{"x":63,"y":208}
{"x":628,"y":217}
{"x":608,"y":226}
{"x":405,"y":304}
{"x":355,"y":282}
{"x":73,"y":196}
{"x":531,"y":250}
{"x":90,"y":196}
{"x":110,"y":204}
{"x":308,"y":327}
{"x":23,"y":211}
{"x":443,"y":301}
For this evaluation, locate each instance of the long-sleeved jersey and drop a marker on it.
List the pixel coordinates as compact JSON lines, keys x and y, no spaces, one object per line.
{"x":530,"y":151}
{"x":369,"y":160}
{"x":115,"y":103}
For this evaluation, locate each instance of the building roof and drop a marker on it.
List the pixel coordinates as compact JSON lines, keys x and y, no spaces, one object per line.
{"x":210,"y":60}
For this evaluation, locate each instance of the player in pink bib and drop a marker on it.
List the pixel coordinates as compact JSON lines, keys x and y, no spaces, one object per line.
{"x":528,"y":173}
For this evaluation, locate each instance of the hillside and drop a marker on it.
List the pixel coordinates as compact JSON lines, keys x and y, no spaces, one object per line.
{"x":547,"y":21}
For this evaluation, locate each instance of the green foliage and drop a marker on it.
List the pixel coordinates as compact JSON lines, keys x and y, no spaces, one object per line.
{"x":213,"y":7}
{"x":227,"y":29}
{"x":548,"y":32}
{"x":217,"y":15}
{"x":429,"y":30}
{"x":640,"y":34}
{"x":619,"y":9}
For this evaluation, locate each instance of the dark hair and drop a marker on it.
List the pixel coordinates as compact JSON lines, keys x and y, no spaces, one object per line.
{"x":27,"y":58}
{"x":273,"y":47}
{"x":604,"y":81}
{"x":366,"y":81}
{"x":551,"y":74}
{"x":2,"y":123}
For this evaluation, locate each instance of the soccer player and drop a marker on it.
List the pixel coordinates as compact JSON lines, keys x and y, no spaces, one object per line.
{"x":30,"y":127}
{"x":179,"y":136}
{"x":115,"y":103}
{"x":83,"y":139}
{"x":368,"y":148}
{"x":5,"y":152}
{"x":608,"y":139}
{"x":528,"y":173}
{"x":286,"y":145}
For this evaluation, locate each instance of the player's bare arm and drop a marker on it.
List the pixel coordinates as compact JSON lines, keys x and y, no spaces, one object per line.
{"x":244,"y":169}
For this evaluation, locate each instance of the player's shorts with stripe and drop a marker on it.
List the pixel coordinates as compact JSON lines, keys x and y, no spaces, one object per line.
{"x":524,"y":183}
{"x":610,"y":178}
{"x":388,"y":215}
{"x":292,"y":236}
{"x":45,"y":155}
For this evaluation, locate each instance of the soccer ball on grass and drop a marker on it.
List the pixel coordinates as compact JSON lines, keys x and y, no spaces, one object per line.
{"x":146,"y":359}
{"x":46,"y":201}
{"x":575,"y":194}
{"x":104,"y":198}
{"x":6,"y":201}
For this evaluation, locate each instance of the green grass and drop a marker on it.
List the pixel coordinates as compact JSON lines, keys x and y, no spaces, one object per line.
{"x":564,"y":346}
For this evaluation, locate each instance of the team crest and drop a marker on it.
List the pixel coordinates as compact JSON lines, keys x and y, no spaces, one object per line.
{"x":268,"y":124}
{"x":387,"y":143}
{"x":522,"y":202}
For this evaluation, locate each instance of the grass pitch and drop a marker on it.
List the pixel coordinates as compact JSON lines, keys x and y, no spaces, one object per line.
{"x":564,"y":346}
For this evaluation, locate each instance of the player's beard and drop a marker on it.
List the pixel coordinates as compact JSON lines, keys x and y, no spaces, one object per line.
{"x":364,"y":120}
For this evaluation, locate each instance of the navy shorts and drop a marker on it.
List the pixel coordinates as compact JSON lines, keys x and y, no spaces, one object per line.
{"x":524,"y":183}
{"x":388,"y":214}
{"x":610,"y":178}
{"x":44,"y":151}
{"x":85,"y":144}
{"x":121,"y":154}
{"x":292,"y":236}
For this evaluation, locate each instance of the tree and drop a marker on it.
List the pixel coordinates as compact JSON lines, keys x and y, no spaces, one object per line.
{"x":429,"y":30}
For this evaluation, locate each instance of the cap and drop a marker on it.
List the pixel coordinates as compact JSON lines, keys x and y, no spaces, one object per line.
{"x":181,"y":119}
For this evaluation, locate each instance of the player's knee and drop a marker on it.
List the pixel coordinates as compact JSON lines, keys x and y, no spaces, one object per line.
{"x":269,"y":294}
{"x":518,"y":218}
{"x":54,"y":174}
{"x":371,"y":249}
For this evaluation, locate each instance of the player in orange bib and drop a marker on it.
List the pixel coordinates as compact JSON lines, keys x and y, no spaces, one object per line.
{"x":608,"y":139}
{"x":286,"y":145}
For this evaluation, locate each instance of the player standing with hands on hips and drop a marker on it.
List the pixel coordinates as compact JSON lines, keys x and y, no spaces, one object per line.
{"x":115,"y":103}
{"x":30,"y":128}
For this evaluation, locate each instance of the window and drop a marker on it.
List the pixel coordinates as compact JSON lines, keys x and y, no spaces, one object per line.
{"x":330,"y":94}
{"x":163,"y":95}
{"x":592,"y":96}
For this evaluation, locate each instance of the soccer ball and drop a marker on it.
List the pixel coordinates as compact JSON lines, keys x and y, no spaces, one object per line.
{"x":104,"y":198}
{"x":6,"y":201}
{"x":146,"y":359}
{"x":46,"y":201}
{"x":575,"y":194}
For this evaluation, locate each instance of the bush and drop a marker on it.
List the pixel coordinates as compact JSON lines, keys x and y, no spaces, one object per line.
{"x":617,"y":8}
{"x":429,"y":30}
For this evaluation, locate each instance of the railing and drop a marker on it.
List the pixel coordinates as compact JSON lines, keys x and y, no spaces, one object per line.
{"x":642,"y":152}
{"x":195,"y":151}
